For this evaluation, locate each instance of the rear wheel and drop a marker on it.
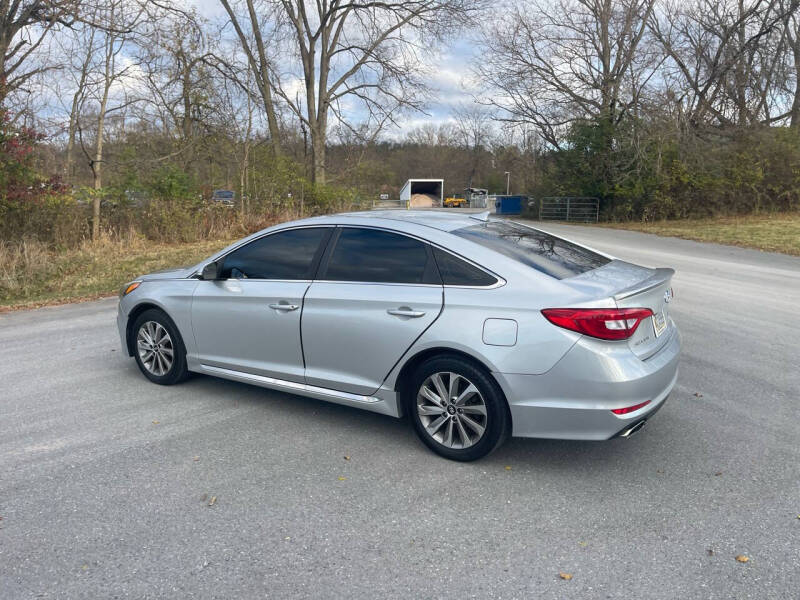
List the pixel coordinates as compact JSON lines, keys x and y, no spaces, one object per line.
{"x":457,"y":409}
{"x":158,"y":348}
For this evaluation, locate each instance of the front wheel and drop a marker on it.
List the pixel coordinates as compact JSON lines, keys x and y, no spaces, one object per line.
{"x":457,"y":409}
{"x":158,"y":348}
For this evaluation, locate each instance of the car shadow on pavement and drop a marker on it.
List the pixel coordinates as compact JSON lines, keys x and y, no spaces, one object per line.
{"x":367,"y":429}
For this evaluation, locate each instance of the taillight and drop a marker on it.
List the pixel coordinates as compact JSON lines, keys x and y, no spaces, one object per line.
{"x":603,"y":323}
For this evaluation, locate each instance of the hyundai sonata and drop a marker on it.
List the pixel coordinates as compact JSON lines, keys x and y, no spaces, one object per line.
{"x":476,"y":328}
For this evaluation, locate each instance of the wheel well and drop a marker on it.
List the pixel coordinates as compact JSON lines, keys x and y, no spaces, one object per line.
{"x":137,"y":310}
{"x":408,"y":368}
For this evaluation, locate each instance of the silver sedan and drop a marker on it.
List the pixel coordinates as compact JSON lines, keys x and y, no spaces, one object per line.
{"x":476,"y":328}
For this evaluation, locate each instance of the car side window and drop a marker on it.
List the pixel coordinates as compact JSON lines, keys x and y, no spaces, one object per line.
{"x":282,"y":255}
{"x":377,"y":256}
{"x":459,"y":272}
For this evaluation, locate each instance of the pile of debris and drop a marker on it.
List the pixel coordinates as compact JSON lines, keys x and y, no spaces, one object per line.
{"x":423,"y":201}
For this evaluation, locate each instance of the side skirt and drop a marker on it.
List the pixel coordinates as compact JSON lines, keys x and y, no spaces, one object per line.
{"x":386,"y":406}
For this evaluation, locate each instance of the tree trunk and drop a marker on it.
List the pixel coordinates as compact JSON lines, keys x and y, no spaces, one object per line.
{"x":97,"y":162}
{"x":795,"y":118}
{"x":318,"y":154}
{"x":73,"y":120}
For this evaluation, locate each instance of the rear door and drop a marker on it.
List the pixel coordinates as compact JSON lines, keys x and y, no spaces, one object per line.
{"x":377,"y":291}
{"x":249,"y":320}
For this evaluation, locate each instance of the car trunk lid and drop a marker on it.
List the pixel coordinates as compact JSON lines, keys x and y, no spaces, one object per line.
{"x":633,"y":286}
{"x":654,"y":293}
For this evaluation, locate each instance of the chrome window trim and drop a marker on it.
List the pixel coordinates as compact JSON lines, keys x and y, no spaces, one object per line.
{"x":257,"y":280}
{"x":499,"y":283}
{"x":430,"y":285}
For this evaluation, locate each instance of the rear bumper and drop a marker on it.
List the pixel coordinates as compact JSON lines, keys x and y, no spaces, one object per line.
{"x":574,"y":399}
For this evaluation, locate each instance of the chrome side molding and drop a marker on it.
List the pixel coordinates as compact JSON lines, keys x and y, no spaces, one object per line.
{"x":290,"y":386}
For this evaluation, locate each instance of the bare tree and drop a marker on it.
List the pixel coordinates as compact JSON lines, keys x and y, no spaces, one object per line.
{"x":473,"y":126}
{"x":259,"y":62}
{"x":80,"y":47}
{"x":363,"y":53}
{"x":554,"y":62}
{"x":723,"y":59}
{"x":24,"y":25}
{"x":119,"y":19}
{"x":175,"y":57}
{"x":791,"y":21}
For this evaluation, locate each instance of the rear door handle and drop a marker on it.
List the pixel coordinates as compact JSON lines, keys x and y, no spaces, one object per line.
{"x":283,"y":306}
{"x":404,"y":311}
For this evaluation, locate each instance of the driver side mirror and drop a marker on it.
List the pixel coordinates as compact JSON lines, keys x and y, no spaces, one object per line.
{"x":210,"y":271}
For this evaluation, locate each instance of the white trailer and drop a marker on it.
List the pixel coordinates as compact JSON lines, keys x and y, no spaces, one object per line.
{"x":423,"y":193}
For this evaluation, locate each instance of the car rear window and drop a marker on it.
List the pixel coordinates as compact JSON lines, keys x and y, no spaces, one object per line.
{"x":537,"y":249}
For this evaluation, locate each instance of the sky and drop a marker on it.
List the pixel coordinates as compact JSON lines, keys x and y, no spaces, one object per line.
{"x":452,"y":84}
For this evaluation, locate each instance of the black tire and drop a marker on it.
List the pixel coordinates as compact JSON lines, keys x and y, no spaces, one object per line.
{"x":178,"y":371}
{"x":497,"y":420}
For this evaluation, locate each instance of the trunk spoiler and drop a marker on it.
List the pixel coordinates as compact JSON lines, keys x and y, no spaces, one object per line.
{"x":658,"y":278}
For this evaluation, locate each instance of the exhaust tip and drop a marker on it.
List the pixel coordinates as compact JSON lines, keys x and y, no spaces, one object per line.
{"x":636,"y":427}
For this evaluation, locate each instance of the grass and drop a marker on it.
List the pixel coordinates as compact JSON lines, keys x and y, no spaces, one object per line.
{"x":773,"y":233}
{"x":33,"y":275}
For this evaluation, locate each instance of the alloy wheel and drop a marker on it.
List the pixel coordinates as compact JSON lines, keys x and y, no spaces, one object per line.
{"x":155,"y":347}
{"x":452,"y":410}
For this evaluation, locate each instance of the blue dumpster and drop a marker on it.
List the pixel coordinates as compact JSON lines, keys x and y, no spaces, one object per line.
{"x":509,"y":205}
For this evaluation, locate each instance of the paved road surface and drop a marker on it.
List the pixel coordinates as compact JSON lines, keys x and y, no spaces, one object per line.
{"x":105,"y":479}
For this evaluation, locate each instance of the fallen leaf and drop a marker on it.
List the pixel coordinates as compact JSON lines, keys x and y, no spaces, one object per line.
{"x":347,"y":458}
{"x":660,"y":471}
{"x":718,"y":473}
{"x":565,"y":576}
{"x":195,"y":458}
{"x":742,"y":558}
{"x":583,"y":544}
{"x":213,"y":501}
{"x":710,"y":552}
{"x":698,"y":395}
{"x":287,"y":538}
{"x":155,"y":422}
{"x":84,"y":567}
{"x":342,"y":478}
{"x":508,"y":468}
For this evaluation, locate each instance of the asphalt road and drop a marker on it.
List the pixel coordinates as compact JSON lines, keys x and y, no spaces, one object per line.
{"x":106,"y":479}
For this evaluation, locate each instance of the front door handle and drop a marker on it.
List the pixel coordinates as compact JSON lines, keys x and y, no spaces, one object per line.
{"x":283,"y":306}
{"x":404,"y":311}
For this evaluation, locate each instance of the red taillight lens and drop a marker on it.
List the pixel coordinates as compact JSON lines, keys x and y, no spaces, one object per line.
{"x":629,"y":409}
{"x":603,"y":323}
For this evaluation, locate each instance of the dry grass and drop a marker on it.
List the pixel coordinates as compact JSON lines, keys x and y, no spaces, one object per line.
{"x":773,"y":233}
{"x":32,"y":274}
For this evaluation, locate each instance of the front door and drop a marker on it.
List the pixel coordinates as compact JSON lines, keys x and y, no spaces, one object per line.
{"x":378,"y":292}
{"x":249,"y":320}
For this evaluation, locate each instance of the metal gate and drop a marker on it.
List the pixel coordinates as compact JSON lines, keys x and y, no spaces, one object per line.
{"x":569,"y":208}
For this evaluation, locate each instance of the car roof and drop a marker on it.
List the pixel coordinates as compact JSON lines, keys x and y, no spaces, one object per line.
{"x":437,"y":219}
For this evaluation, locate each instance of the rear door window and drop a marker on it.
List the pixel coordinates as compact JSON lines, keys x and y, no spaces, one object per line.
{"x":376,"y":256}
{"x":544,"y":252}
{"x":283,"y":255}
{"x":459,"y":272}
